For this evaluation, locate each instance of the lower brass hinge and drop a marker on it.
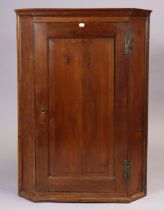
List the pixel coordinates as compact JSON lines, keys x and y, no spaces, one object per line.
{"x":127,"y":169}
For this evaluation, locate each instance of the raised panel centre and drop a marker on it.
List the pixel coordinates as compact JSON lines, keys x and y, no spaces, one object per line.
{"x":81,"y":107}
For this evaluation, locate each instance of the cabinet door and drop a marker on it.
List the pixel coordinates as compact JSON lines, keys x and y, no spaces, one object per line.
{"x":81,"y":92}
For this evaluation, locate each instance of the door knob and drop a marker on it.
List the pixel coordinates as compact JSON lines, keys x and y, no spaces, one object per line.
{"x":43,"y":110}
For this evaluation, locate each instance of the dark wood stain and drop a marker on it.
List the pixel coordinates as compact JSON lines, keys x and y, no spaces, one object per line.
{"x":82,"y":104}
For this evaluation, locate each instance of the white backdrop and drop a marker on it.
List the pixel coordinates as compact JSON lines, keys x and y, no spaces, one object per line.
{"x":8,"y":105}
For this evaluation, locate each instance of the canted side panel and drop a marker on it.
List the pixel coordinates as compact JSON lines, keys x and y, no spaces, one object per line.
{"x":145,"y":146}
{"x":26,"y":136}
{"x":137,"y":107}
{"x":121,"y":108}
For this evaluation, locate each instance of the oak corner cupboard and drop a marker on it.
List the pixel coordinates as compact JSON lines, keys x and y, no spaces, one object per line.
{"x":83,"y":104}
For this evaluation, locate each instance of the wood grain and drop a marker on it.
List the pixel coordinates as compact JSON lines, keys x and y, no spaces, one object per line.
{"x":41,"y":88}
{"x":74,"y":118}
{"x":83,"y":104}
{"x":26,"y":114}
{"x":112,"y":12}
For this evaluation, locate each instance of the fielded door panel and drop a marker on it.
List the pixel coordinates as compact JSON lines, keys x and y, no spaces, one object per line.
{"x":80,"y":102}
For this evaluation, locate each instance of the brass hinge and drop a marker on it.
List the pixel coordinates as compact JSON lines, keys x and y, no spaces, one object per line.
{"x":127,"y":169}
{"x":128,"y":43}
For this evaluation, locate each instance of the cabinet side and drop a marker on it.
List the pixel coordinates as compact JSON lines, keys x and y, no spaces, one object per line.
{"x":147,"y":37}
{"x":26,"y":117}
{"x":138,"y":105}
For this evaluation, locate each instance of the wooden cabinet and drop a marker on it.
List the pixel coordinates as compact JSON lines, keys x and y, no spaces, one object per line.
{"x":83,"y":96}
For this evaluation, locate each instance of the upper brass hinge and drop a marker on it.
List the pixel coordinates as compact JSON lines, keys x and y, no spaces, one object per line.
{"x":127,"y":169}
{"x":128,"y":43}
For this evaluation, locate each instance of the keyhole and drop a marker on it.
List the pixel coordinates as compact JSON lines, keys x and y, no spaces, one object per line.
{"x":43,"y":110}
